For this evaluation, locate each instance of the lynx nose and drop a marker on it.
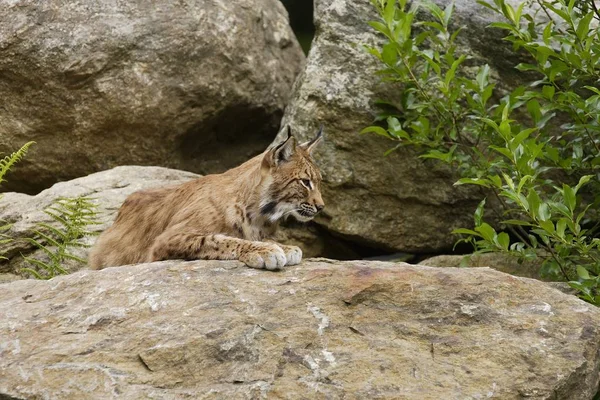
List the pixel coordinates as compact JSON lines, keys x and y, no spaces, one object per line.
{"x":319,"y":207}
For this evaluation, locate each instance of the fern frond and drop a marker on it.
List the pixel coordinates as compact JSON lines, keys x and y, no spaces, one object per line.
{"x":40,"y":246}
{"x":72,"y":217}
{"x":57,"y":218}
{"x":49,"y":240}
{"x":33,"y":272}
{"x":41,"y":264}
{"x":74,"y":258}
{"x":57,"y":232}
{"x":7,"y":162}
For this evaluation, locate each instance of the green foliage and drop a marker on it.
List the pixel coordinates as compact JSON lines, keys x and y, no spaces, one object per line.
{"x":9,"y":161}
{"x":74,"y":217}
{"x":5,"y":165}
{"x":536,"y":150}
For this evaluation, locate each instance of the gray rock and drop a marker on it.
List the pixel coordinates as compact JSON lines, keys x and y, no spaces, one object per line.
{"x":323,"y":329}
{"x":198,"y":85}
{"x":399,"y":202}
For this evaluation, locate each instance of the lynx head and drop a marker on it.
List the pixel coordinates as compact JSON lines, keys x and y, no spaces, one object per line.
{"x":292,"y":181}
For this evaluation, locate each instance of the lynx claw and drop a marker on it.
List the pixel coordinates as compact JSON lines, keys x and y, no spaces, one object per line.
{"x":271,"y":258}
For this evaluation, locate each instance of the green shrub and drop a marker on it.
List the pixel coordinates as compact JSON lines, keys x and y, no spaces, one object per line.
{"x":536,"y":151}
{"x":74,"y":217}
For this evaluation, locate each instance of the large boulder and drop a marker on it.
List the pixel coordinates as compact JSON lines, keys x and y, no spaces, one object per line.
{"x":323,"y":329}
{"x":198,"y":85}
{"x":398,"y":202}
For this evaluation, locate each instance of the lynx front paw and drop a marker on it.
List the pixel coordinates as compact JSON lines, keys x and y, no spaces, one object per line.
{"x":293,"y":255}
{"x":268,"y":256}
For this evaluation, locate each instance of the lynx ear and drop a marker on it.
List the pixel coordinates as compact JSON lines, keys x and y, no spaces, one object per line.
{"x":310,"y":145}
{"x":285,"y":150}
{"x":282,"y":152}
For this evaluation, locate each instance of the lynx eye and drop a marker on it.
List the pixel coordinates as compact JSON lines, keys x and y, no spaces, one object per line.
{"x":307,"y":183}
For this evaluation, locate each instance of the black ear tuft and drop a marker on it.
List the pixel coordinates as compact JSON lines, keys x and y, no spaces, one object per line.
{"x":310,"y":145}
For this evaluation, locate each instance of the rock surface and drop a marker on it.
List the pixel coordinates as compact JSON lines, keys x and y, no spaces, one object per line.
{"x":198,"y":85}
{"x":109,"y":189}
{"x":497,"y":261}
{"x":398,"y":202}
{"x":321,"y":330}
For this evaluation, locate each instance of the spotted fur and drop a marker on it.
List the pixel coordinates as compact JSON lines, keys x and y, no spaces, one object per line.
{"x":229,"y":216}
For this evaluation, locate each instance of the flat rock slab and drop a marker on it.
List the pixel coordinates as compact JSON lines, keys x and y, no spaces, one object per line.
{"x":324,"y":329}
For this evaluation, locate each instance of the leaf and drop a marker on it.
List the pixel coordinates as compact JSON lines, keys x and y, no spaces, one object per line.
{"x":533,"y":106}
{"x":561,"y":208}
{"x":547,"y":33}
{"x":561,"y":225}
{"x":379,"y":27}
{"x":488,"y":5}
{"x":389,"y":11}
{"x":487,"y":232}
{"x":473,"y":181}
{"x":504,"y":151}
{"x":548,"y":91}
{"x":438,"y":155}
{"x":496,"y":180}
{"x":534,"y":201}
{"x":544,"y":212}
{"x":582,"y":272}
{"x":584,"y":26}
{"x":483,"y":76}
{"x":517,"y":140}
{"x":593,"y":89}
{"x":452,"y":71}
{"x":516,"y":222}
{"x":375,"y":129}
{"x":582,"y":181}
{"x":548,"y":226}
{"x":478,"y":215}
{"x":508,"y":181}
{"x":465,"y":232}
{"x":448,"y":13}
{"x":569,"y":197}
{"x":502,"y":25}
{"x":389,"y":54}
{"x":526,"y":67}
{"x":503,"y":240}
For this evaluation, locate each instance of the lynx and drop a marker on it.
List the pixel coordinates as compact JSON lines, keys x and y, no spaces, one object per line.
{"x":228,"y":216}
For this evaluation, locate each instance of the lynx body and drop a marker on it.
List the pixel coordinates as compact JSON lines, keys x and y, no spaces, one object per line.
{"x":228,"y":216}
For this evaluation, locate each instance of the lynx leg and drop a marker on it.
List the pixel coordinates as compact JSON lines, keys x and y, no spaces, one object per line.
{"x":193,"y":245}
